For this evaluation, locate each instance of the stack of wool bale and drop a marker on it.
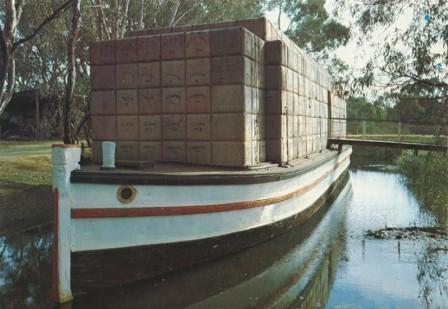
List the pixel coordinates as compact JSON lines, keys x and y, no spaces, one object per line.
{"x":206,"y":94}
{"x":192,"y":97}
{"x":296,"y":103}
{"x":339,"y":113}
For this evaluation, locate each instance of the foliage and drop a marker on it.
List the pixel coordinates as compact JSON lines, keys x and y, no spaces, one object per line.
{"x":409,"y":42}
{"x":313,"y":29}
{"x":361,"y":108}
{"x":427,"y":176}
{"x":429,"y":116}
{"x":11,"y":39}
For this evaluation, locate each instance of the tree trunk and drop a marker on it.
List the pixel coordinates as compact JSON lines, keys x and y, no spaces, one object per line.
{"x":13,"y":12}
{"x":142,"y":14}
{"x":71,"y":71}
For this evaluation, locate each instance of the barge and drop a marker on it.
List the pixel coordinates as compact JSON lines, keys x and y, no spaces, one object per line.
{"x":113,"y":227}
{"x":219,"y":134}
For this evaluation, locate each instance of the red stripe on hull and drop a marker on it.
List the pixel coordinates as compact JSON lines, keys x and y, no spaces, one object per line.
{"x":89,"y":213}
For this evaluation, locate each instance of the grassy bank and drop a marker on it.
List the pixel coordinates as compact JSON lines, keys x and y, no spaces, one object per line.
{"x":25,"y":184}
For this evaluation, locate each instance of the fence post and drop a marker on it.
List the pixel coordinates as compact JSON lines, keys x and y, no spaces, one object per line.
{"x":399,"y":131}
{"x":364,"y":125}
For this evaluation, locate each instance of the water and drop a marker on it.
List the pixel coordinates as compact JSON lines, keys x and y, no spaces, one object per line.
{"x":328,"y":263}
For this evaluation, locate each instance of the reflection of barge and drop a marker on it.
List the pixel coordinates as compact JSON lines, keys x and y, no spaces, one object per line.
{"x":173,"y":218}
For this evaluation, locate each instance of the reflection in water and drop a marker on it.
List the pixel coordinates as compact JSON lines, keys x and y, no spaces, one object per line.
{"x":388,"y":273}
{"x":25,"y":269}
{"x":432,"y":274}
{"x":427,"y":177}
{"x":328,"y":263}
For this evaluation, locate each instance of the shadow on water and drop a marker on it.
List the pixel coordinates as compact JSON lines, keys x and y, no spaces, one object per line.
{"x":297,"y":269}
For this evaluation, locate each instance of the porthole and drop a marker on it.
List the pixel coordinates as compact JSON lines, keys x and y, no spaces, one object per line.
{"x":126,"y":194}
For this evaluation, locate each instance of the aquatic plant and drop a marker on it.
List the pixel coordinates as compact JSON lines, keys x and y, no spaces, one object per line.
{"x":427,"y":176}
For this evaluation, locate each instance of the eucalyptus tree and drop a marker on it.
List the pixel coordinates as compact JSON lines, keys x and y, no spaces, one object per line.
{"x":408,"y":40}
{"x":11,"y":39}
{"x":311,"y":27}
{"x":317,"y":32}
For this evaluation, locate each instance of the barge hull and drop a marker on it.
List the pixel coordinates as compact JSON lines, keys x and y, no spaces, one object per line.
{"x":99,"y":269}
{"x":102,"y":241}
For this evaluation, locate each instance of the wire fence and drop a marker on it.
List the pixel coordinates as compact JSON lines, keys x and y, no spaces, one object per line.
{"x":393,"y":130}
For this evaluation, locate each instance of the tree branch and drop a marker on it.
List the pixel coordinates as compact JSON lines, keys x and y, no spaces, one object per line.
{"x":44,"y":22}
{"x":103,"y":20}
{"x":7,"y":95}
{"x":173,"y":17}
{"x":124,"y":17}
{"x":185,"y":13}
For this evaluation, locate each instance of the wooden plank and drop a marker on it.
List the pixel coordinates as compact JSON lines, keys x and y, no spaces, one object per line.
{"x":390,"y":144}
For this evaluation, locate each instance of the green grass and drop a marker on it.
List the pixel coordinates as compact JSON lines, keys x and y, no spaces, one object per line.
{"x":27,"y":163}
{"x":15,"y":149}
{"x":25,"y":184}
{"x":27,"y":170}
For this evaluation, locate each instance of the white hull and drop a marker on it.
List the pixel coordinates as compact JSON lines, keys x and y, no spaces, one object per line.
{"x":110,"y":233}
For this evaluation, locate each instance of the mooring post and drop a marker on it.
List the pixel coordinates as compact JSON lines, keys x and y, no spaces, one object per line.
{"x":65,"y":159}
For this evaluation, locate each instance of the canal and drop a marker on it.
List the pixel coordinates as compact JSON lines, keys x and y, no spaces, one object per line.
{"x":331,"y":262}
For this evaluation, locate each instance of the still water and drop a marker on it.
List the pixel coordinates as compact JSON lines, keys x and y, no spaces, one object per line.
{"x":328,"y":263}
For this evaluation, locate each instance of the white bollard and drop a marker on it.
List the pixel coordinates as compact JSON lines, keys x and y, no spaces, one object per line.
{"x":65,"y":159}
{"x":108,"y":154}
